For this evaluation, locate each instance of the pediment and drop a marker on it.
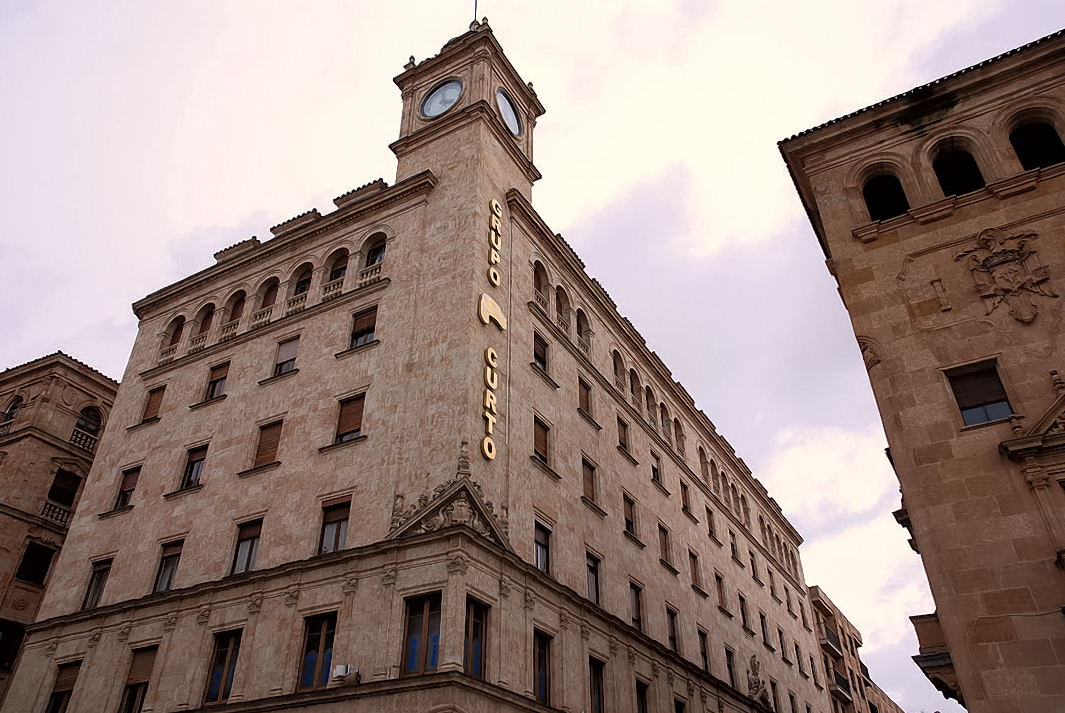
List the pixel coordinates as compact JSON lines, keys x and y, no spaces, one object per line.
{"x":1052,"y":421}
{"x":453,"y":503}
{"x":1046,"y":435}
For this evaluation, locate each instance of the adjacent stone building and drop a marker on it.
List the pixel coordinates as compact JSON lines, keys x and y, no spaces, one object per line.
{"x":942,"y":214}
{"x":407,"y":456}
{"x":54,"y":409}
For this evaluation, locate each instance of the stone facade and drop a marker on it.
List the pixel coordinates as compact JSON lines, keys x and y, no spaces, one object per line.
{"x":54,"y":409}
{"x":940,"y":213}
{"x":500,"y":444}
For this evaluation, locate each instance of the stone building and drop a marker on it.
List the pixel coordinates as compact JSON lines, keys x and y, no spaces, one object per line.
{"x":407,"y":456}
{"x":941,"y":214}
{"x":54,"y":409}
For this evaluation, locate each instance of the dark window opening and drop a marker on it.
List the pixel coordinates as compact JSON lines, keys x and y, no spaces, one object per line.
{"x":216,"y":382}
{"x":1037,"y":145}
{"x":595,"y":685}
{"x":636,"y":605}
{"x":672,"y":630}
{"x":194,"y":468}
{"x":223,"y":666}
{"x":169,"y":559}
{"x":317,"y":650}
{"x":247,"y":546}
{"x":364,"y":329}
{"x":979,"y":393}
{"x":89,"y":421}
{"x":422,"y":642}
{"x":35,"y":563}
{"x":542,"y":548}
{"x":542,"y":667}
{"x":539,"y":352}
{"x":140,"y":673}
{"x":884,"y":197}
{"x":540,"y":435}
{"x":101,"y":570}
{"x":476,"y":649}
{"x":957,"y":172}
{"x":592,"y":567}
{"x":334,"y":527}
{"x":11,"y":634}
{"x":303,"y":283}
{"x":65,"y":679}
{"x":286,"y":356}
{"x":127,"y":487}
{"x":64,"y":488}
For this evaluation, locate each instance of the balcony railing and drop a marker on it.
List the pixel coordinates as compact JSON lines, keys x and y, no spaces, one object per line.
{"x":56,"y":513}
{"x":197,"y":343}
{"x":84,"y":441}
{"x":830,"y":641}
{"x":296,"y":304}
{"x":839,"y":685}
{"x":540,"y":299}
{"x":332,"y":289}
{"x":261,"y":318}
{"x":585,"y":343}
{"x":562,"y":319}
{"x":167,"y":353}
{"x":651,"y":419}
{"x":369,"y":274}
{"x":637,"y":403}
{"x":228,"y":330}
{"x":619,"y":383}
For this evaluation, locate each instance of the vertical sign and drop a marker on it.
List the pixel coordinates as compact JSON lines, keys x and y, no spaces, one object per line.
{"x":489,"y":312}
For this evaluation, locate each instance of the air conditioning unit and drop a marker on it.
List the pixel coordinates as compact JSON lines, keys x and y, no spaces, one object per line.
{"x":341,"y":670}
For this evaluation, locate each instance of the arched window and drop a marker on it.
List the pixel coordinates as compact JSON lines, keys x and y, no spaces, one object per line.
{"x":11,"y":412}
{"x":584,"y":330}
{"x":206,"y":319}
{"x":761,"y":527}
{"x":746,"y":510}
{"x":1037,"y":145}
{"x":540,"y":282}
{"x":635,"y":390}
{"x":619,"y":372}
{"x":651,"y":408}
{"x":663,"y":415}
{"x":89,"y":421}
{"x":884,"y":197}
{"x":269,"y":293}
{"x":235,"y":307}
{"x":734,"y":498}
{"x":678,"y":434}
{"x":704,"y":467}
{"x":956,"y":170}
{"x":338,"y":266}
{"x":302,"y":282}
{"x":375,"y":249}
{"x":562,"y":310}
{"x":177,"y":328}
{"x":715,"y":476}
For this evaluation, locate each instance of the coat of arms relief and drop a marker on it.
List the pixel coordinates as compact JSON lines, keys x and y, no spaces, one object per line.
{"x":1005,"y":270}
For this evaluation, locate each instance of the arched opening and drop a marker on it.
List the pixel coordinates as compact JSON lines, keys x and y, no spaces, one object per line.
{"x":704,"y":467}
{"x":338,"y":266}
{"x":619,"y":372}
{"x":663,"y":416}
{"x":11,"y":412}
{"x":205,"y":320}
{"x":562,"y":308}
{"x":956,"y":170}
{"x":175,"y":331}
{"x":1037,"y":145}
{"x":235,"y":307}
{"x":715,"y":476}
{"x":89,"y":421}
{"x":746,"y":510}
{"x":268,"y":293}
{"x":301,"y":281}
{"x":635,"y":390}
{"x":375,"y":249}
{"x":541,"y":285}
{"x":678,"y":434}
{"x":734,"y":498}
{"x":761,"y":527}
{"x":884,"y":197}
{"x":584,"y":330}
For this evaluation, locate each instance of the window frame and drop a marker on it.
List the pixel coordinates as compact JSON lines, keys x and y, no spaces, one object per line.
{"x":99,"y":572}
{"x":192,"y":474}
{"x":243,"y":536}
{"x":421,"y":649}
{"x":542,"y":546}
{"x":475,"y":661}
{"x":324,"y":626}
{"x":226,"y":643}
{"x":331,"y":511}
{"x":169,"y":561}
{"x":541,"y":668}
{"x":286,"y":366}
{"x":359,"y":336}
{"x":592,"y":564}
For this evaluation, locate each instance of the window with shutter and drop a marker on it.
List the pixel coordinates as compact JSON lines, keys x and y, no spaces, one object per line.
{"x":205,"y":322}
{"x":663,"y":544}
{"x":216,"y":382}
{"x":539,"y":352}
{"x":979,"y":393}
{"x":623,"y":435}
{"x":584,"y":396}
{"x":540,"y":434}
{"x":349,"y":421}
{"x":152,"y":404}
{"x":64,"y":488}
{"x":140,"y":673}
{"x":286,"y":356}
{"x":364,"y":328}
{"x":65,"y":679}
{"x":629,"y":508}
{"x":101,"y":570}
{"x":269,"y":297}
{"x":589,"y":479}
{"x":269,"y":439}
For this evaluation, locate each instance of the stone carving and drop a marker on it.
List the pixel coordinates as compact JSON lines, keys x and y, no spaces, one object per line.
{"x":350,"y":585}
{"x":20,"y":604}
{"x":464,"y":458}
{"x":291,"y":597}
{"x":614,"y":644}
{"x":563,"y":620}
{"x":654,"y":669}
{"x":170,"y":623}
{"x":255,"y":604}
{"x":632,"y":656}
{"x":203,"y":616}
{"x":123,"y":632}
{"x":755,"y":683}
{"x":504,"y":587}
{"x":389,"y":577}
{"x":1005,"y":270}
{"x":49,"y":650}
{"x":586,"y":632}
{"x":458,"y":563}
{"x":530,"y":600}
{"x":94,"y":639}
{"x":870,"y":351}
{"x":670,"y":677}
{"x":459,"y":501}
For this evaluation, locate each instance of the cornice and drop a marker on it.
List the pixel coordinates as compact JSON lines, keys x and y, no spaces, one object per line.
{"x":61,"y":359}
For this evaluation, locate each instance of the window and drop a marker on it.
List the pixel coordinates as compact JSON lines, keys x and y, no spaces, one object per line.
{"x":11,"y":635}
{"x":802,"y":615}
{"x":376,"y":254}
{"x":584,"y":396}
{"x":364,"y":327}
{"x":334,"y":525}
{"x":422,"y":643}
{"x":629,"y":511}
{"x":730,"y":666}
{"x":588,"y":472}
{"x":783,"y":644}
{"x":641,"y":696}
{"x":216,"y":382}
{"x":685,"y":498}
{"x":678,"y":706}
{"x":476,"y":648}
{"x":169,"y":557}
{"x":744,"y":615}
{"x":704,"y":650}
{"x":1037,"y":145}
{"x":286,"y":356}
{"x":719,"y":584}
{"x":193,"y":468}
{"x":711,"y":528}
{"x":35,"y":563}
{"x":656,"y":469}
{"x":236,"y":308}
{"x":101,"y":570}
{"x":303,"y":283}
{"x":884,"y":197}
{"x":672,"y":632}
{"x":733,"y":549}
{"x":247,"y":546}
{"x":813,"y":672}
{"x":772,"y":584}
{"x":957,"y":172}
{"x":339,"y":267}
{"x":64,"y":489}
{"x":223,"y":666}
{"x":623,"y":435}
{"x":787,"y":598}
{"x":776,"y":694}
{"x":798,"y":657}
{"x":636,"y":605}
{"x":595,"y":685}
{"x":540,"y":435}
{"x":979,"y":393}
{"x":349,"y":419}
{"x":140,"y":673}
{"x":539,"y":352}
{"x":269,"y":296}
{"x":663,"y":545}
{"x":542,"y":666}
{"x":764,"y":624}
{"x":177,"y":328}
{"x":542,"y":548}
{"x":152,"y":403}
{"x":693,"y":565}
{"x":319,"y":632}
{"x":12,"y":410}
{"x":592,"y":565}
{"x":126,"y":487}
{"x":269,"y":439}
{"x":65,"y":678}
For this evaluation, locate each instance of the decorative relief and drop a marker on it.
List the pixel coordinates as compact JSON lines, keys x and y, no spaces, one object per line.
{"x":563,"y":620}
{"x":49,"y":651}
{"x":530,"y":600}
{"x":203,"y":616}
{"x":255,"y":604}
{"x":94,"y":639}
{"x":870,"y":351}
{"x":123,"y":632}
{"x":504,"y":587}
{"x":291,"y":597}
{"x":614,"y":644}
{"x":632,"y":656}
{"x":170,"y":623}
{"x":586,"y":632}
{"x":670,"y":677}
{"x":459,"y":501}
{"x":389,"y":577}
{"x":458,"y":563}
{"x":1004,"y":269}
{"x":351,"y":584}
{"x":20,"y":604}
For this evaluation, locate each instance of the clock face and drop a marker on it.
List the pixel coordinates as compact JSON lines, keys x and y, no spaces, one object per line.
{"x":506,"y":109}
{"x":442,"y":98}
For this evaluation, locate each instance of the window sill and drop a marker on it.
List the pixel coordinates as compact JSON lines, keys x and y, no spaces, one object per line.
{"x":591,"y":505}
{"x":762,"y":584}
{"x":588,"y":417}
{"x":112,"y":513}
{"x":803,"y":674}
{"x":142,"y":424}
{"x":544,"y":375}
{"x":690,"y":514}
{"x":354,"y":350}
{"x":769,"y":646}
{"x":774,"y":595}
{"x":183,"y":491}
{"x":748,"y":630}
{"x":668,"y":565}
{"x":341,"y":444}
{"x":726,"y":612}
{"x":634,"y":539}
{"x":807,"y":627}
{"x":545,"y":467}
{"x":628,"y":455}
{"x":789,"y":663}
{"x":996,"y":422}
{"x":713,"y":537}
{"x":658,"y":484}
{"x":739,"y":562}
{"x":258,"y":469}
{"x":793,"y":614}
{"x":201,"y":404}
{"x":278,"y":377}
{"x":700,"y":591}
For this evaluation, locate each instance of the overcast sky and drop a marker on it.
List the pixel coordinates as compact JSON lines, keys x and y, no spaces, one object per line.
{"x":139,"y":137}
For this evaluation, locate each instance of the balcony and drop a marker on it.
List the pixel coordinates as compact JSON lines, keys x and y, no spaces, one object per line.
{"x":652,"y":420}
{"x":839,"y":686}
{"x":540,"y":299}
{"x":261,"y":318}
{"x":56,"y":513}
{"x":865,"y":672}
{"x":584,"y":342}
{"x":562,"y":319}
{"x":296,"y":304}
{"x":167,"y":353}
{"x":197,"y":343}
{"x":84,"y":441}
{"x":933,"y":656}
{"x":228,"y":330}
{"x":332,"y":289}
{"x":619,"y":383}
{"x":830,"y":642}
{"x":369,"y":275}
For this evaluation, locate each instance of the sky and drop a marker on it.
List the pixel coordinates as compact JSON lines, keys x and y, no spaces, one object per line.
{"x":138,"y":138}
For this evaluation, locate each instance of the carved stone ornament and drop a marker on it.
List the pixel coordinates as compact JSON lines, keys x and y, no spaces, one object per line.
{"x":291,"y":597}
{"x":755,"y":683}
{"x":123,"y":632}
{"x":670,"y":677}
{"x":351,"y":584}
{"x":459,"y":501}
{"x":203,"y":616}
{"x":20,"y":604}
{"x":50,"y":649}
{"x":458,"y":563}
{"x":614,"y":644}
{"x":632,"y":656}
{"x":530,"y":600}
{"x":563,"y":620}
{"x":94,"y":639}
{"x":586,"y":631}
{"x":504,"y":587}
{"x":870,"y":351}
{"x":170,"y":623}
{"x":1005,"y":270}
{"x":389,"y":577}
{"x":255,"y":604}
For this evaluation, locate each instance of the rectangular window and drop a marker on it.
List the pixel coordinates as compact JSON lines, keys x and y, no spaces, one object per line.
{"x":813,"y":672}
{"x":542,"y":666}
{"x":540,"y":436}
{"x":152,"y":403}
{"x":679,"y":706}
{"x":539,"y":352}
{"x":764,"y":624}
{"x":334,"y":526}
{"x":641,"y":696}
{"x":685,"y":498}
{"x":316,"y":662}
{"x":711,"y":529}
{"x":101,"y":570}
{"x":754,"y":564}
{"x":776,"y":694}
{"x":592,"y":566}
{"x":542,"y":548}
{"x":286,"y":356}
{"x":693,"y":566}
{"x":216,"y":382}
{"x":223,"y":666}
{"x":476,"y":647}
{"x":349,"y":419}
{"x":802,"y":615}
{"x":979,"y":393}
{"x":595,"y":685}
{"x":623,"y":435}
{"x":719,"y":584}
{"x":664,"y":550}
{"x":672,"y":630}
{"x":787,"y":597}
{"x":730,"y":666}
{"x":783,"y":644}
{"x":247,"y":546}
{"x":64,"y":488}
{"x":629,"y":509}
{"x":169,"y":558}
{"x":744,"y":616}
{"x":65,"y":678}
{"x":140,"y":673}
{"x":363,"y":328}
{"x":733,"y":550}
{"x":194,"y":461}
{"x":798,"y":657}
{"x":421,"y":647}
{"x":636,"y":605}
{"x":704,"y":650}
{"x":35,"y":563}
{"x":269,"y":440}
{"x":588,"y":472}
{"x":584,"y":396}
{"x":772,"y":583}
{"x":126,"y":487}
{"x":656,"y":469}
